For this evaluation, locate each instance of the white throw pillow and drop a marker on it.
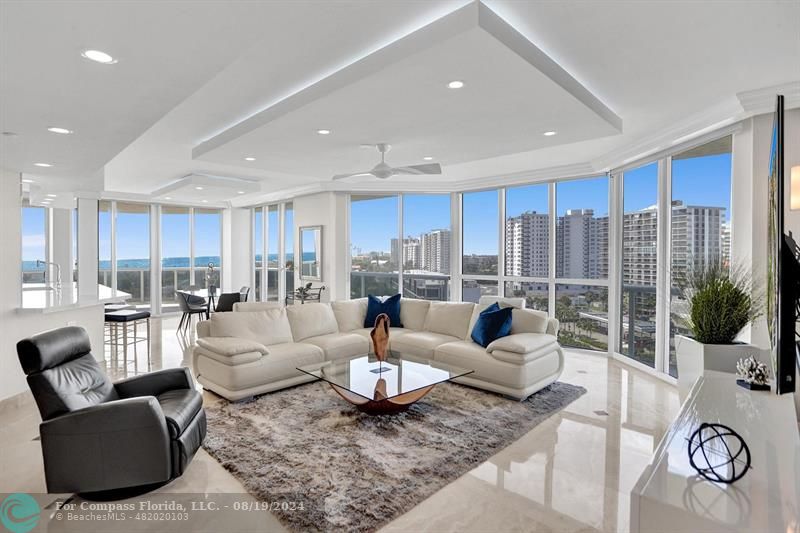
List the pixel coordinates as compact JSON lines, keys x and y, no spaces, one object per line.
{"x":311,"y":320}
{"x":350,"y":314}
{"x":267,"y":327}
{"x":413,"y":313}
{"x":449,"y":318}
{"x":528,"y":321}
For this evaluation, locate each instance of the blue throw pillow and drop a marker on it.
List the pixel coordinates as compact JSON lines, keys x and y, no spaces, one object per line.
{"x":493,"y":322}
{"x":390,"y":306}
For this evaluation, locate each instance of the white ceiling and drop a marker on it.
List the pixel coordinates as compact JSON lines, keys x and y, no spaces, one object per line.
{"x":188,"y":71}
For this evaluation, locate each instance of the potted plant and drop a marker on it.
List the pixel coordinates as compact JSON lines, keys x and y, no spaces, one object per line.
{"x":718,"y":301}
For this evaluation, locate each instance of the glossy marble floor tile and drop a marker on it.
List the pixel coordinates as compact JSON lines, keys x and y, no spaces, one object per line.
{"x":572,"y":473}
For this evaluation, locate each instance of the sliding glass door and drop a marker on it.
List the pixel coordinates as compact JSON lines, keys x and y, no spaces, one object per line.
{"x":273,"y":247}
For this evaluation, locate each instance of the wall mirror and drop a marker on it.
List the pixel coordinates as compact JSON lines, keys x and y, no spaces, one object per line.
{"x":311,"y":253}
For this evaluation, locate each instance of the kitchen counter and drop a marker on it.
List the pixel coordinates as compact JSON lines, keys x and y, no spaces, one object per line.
{"x":38,"y":298}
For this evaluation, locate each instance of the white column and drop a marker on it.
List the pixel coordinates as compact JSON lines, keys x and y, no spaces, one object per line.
{"x":237,"y":258}
{"x":87,"y":248}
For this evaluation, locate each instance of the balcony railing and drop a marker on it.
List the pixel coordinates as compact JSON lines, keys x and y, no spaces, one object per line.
{"x":136,"y":282}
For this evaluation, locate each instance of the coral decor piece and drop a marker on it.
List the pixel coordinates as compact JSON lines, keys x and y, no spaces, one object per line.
{"x":752,"y":374}
{"x":380,"y":337}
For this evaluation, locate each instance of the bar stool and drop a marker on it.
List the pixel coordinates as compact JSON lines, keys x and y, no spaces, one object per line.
{"x":127,"y":320}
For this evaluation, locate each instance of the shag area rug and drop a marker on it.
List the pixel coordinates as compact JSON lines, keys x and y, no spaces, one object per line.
{"x":324,"y":466}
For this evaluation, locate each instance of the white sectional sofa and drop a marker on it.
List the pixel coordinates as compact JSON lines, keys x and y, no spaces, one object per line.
{"x":257,"y":348}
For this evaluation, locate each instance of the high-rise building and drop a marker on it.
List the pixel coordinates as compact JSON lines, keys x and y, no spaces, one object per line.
{"x":581,"y":245}
{"x":697,"y":235}
{"x":408,"y":256}
{"x":527,"y":242}
{"x":435,"y":251}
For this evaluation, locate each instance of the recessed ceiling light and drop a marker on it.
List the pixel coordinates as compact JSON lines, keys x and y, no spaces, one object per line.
{"x":62,"y":131}
{"x":26,"y":180}
{"x":51,"y":195}
{"x":549,"y":133}
{"x":198,"y":188}
{"x":455,"y":84}
{"x":168,"y":198}
{"x":249,"y":158}
{"x":205,"y":201}
{"x":239,"y":192}
{"x":46,"y":201}
{"x":45,"y":165}
{"x":428,"y":158}
{"x":324,"y":132}
{"x":98,"y":56}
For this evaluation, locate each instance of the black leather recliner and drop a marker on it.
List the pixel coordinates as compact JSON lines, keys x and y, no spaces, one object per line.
{"x":97,"y":435}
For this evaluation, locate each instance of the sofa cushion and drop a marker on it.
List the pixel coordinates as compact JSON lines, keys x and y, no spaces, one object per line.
{"x":493,"y":323}
{"x":394,"y":333}
{"x":528,"y":321}
{"x":467,"y":354}
{"x":280,"y":364}
{"x":350,"y":314}
{"x":340,"y":345}
{"x":413,"y":313}
{"x":231,"y":345}
{"x":390,"y":306}
{"x":420,"y":344}
{"x":240,"y":307}
{"x":267,"y":327}
{"x":311,"y":320}
{"x":519,"y":303}
{"x":449,"y":318}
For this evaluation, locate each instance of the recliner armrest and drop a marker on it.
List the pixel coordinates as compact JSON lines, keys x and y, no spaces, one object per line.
{"x":121,"y":443}
{"x":109,"y":417}
{"x":231,"y":346}
{"x":155,"y":383}
{"x":552,"y":326}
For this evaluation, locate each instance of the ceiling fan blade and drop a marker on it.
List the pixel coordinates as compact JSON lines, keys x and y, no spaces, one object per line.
{"x":419,"y":170}
{"x":343,"y":176}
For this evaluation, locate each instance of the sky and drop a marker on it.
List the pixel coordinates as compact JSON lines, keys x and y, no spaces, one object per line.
{"x":701,"y":180}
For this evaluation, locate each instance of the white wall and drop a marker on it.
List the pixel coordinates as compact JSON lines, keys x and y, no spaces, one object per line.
{"x":328,"y":210}
{"x":14,"y":325}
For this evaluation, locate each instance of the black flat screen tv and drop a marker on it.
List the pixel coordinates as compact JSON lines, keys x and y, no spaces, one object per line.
{"x":783,"y":271}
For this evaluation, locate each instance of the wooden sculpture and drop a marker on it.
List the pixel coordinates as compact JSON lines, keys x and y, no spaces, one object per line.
{"x":380,"y":337}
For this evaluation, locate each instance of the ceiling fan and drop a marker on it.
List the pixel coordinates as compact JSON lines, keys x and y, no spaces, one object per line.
{"x":383,"y":171}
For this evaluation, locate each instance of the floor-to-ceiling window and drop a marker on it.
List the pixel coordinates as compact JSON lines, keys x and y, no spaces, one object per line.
{"x":288,"y":245}
{"x":175,"y":254}
{"x":527,"y":244}
{"x":208,"y":248}
{"x":132,"y":226}
{"x":700,"y":221}
{"x":104,"y":242}
{"x":375,"y":249}
{"x":273,"y":253}
{"x":34,"y":244}
{"x":639,"y":260}
{"x":480,"y":244}
{"x":258,"y":252}
{"x":581,"y":289}
{"x":426,"y":246}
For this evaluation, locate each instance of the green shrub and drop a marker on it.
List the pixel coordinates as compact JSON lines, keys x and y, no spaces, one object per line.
{"x":721,"y":303}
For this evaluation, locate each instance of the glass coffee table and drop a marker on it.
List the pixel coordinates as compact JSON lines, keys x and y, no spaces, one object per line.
{"x":383,"y":387}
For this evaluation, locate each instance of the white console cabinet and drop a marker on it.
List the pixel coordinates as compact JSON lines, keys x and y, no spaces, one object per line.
{"x":670,"y":496}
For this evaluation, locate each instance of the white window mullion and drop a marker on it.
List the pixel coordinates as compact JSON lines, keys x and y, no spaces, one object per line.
{"x":615,"y":262}
{"x":455,"y":247}
{"x":113,"y":245}
{"x":401,"y":244}
{"x":281,"y":254}
{"x":501,"y":241}
{"x":551,"y":285}
{"x":663,"y":260}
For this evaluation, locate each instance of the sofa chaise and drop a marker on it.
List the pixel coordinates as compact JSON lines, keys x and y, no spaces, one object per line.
{"x":258,"y":347}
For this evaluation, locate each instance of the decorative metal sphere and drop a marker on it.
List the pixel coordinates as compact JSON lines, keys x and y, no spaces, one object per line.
{"x":718,"y":453}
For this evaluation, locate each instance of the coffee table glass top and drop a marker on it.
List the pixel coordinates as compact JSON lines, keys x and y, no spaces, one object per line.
{"x":361,"y":375}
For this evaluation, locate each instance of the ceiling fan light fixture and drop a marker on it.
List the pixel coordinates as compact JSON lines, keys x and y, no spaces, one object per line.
{"x":549,"y":133}
{"x":324,"y":132}
{"x":428,"y":158}
{"x":455,"y":84}
{"x":249,"y":158}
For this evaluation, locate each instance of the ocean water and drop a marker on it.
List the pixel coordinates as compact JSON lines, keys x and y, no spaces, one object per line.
{"x":168,"y":262}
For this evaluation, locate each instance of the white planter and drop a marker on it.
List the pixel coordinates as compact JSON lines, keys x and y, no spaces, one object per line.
{"x":695,"y":357}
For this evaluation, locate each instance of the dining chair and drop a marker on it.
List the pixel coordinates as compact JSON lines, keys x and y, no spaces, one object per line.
{"x":190,"y":306}
{"x":226,"y":301}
